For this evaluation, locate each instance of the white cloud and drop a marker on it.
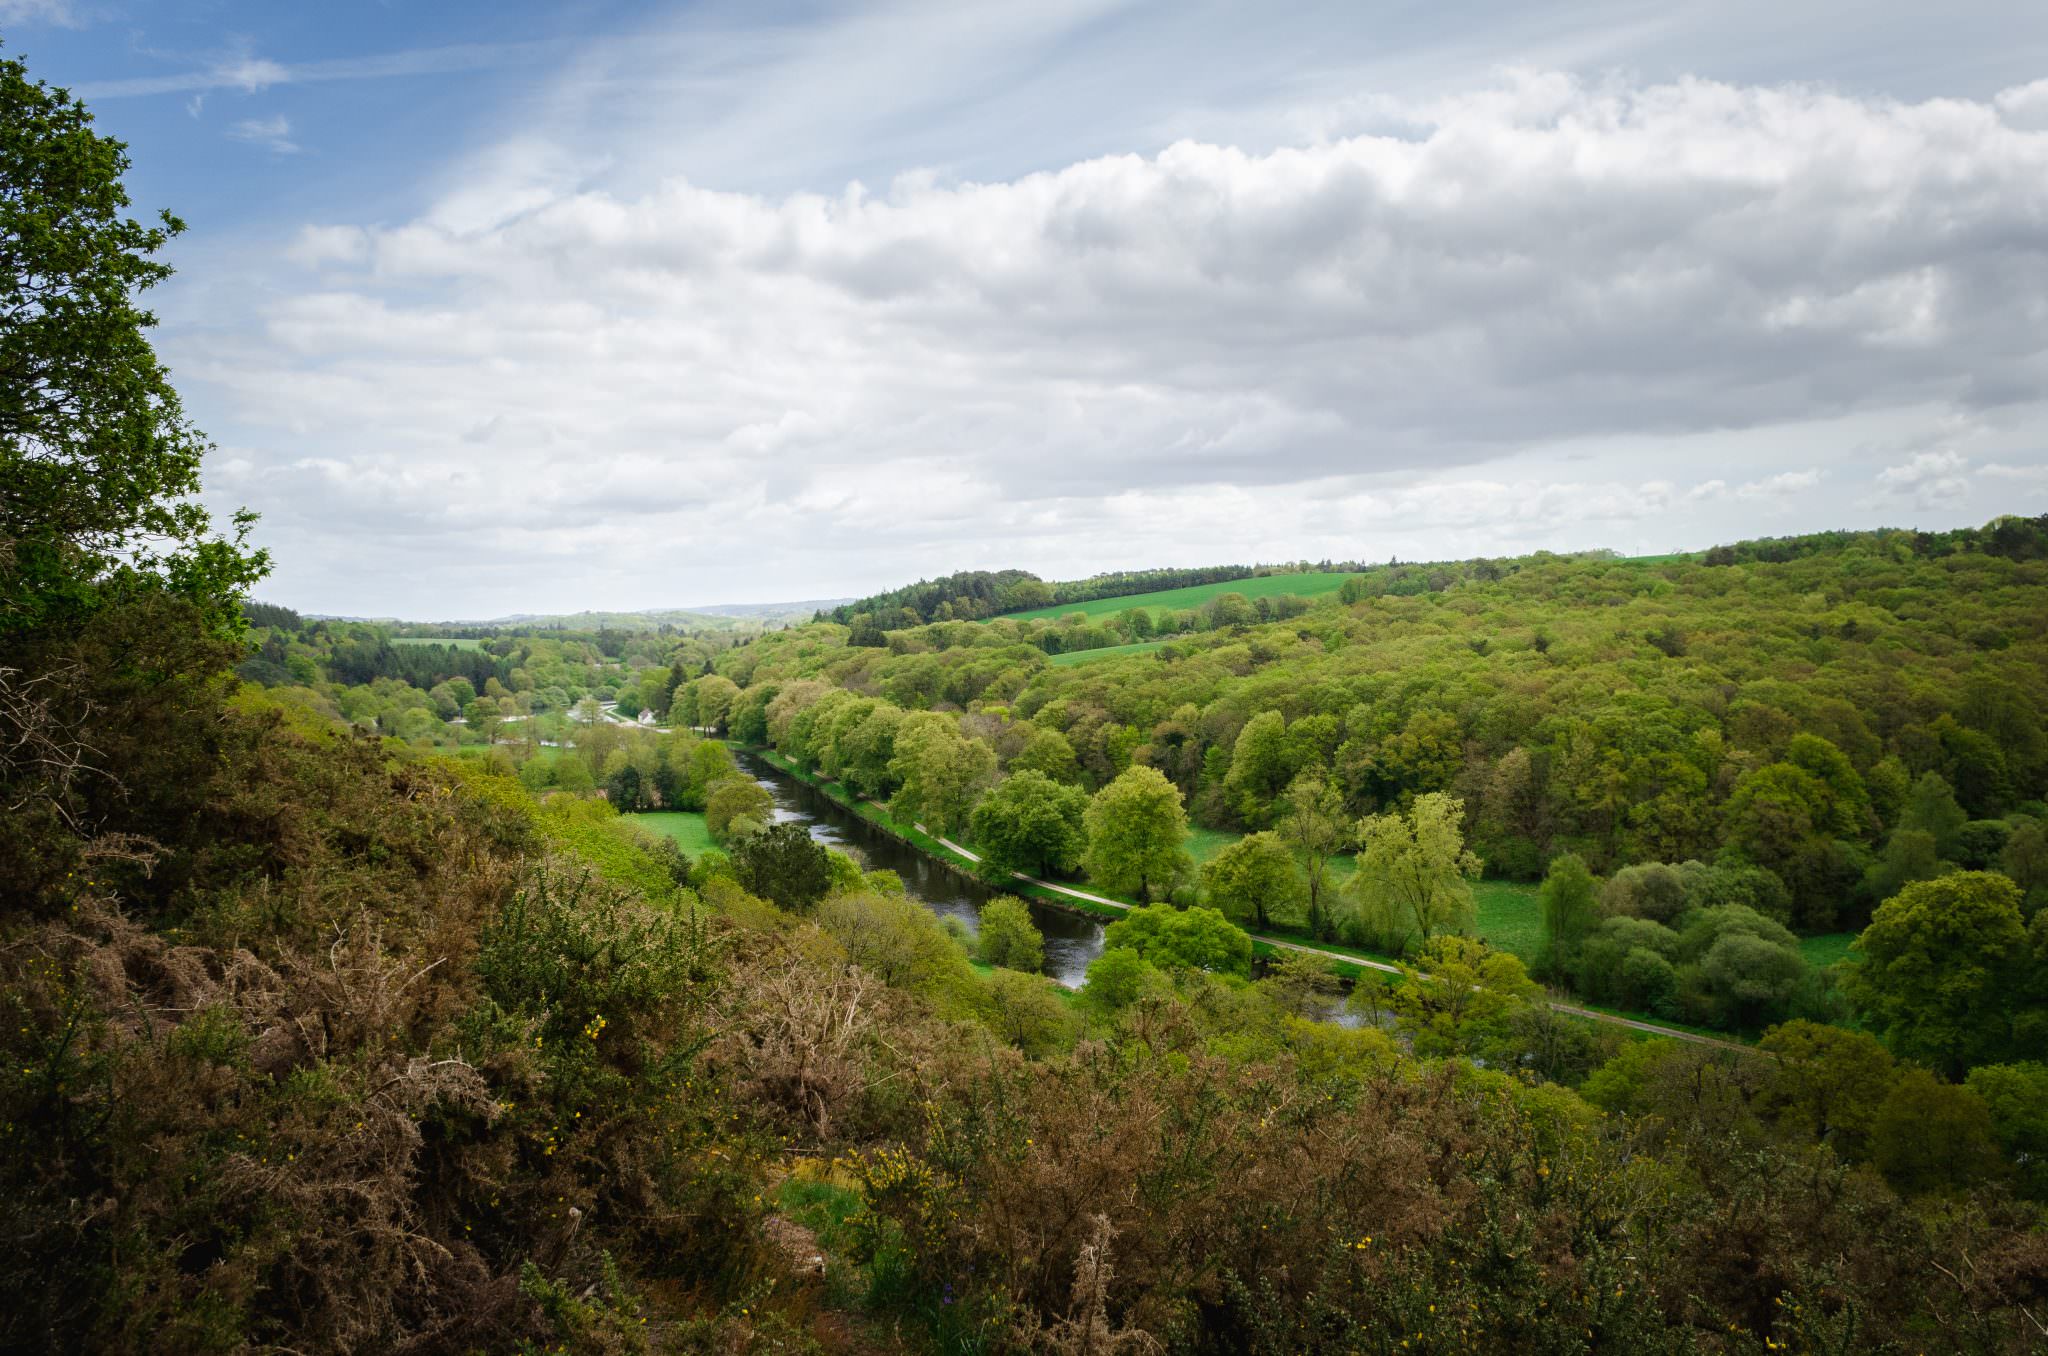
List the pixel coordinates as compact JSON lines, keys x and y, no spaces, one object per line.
{"x":934,"y":364}
{"x":240,"y":69}
{"x":1929,"y":480}
{"x":273,"y":133}
{"x":56,"y":13}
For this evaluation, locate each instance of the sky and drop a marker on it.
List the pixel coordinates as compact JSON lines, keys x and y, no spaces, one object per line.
{"x":544,"y":307}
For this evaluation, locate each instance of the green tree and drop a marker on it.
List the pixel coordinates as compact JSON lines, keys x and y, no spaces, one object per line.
{"x":2025,"y":860}
{"x":713,"y":696}
{"x":1313,"y":823}
{"x":1137,"y":830}
{"x":1940,"y":965}
{"x":99,"y":468}
{"x":1933,"y":1136}
{"x":1030,"y":823}
{"x":941,"y":773}
{"x":1118,"y":977}
{"x":732,"y":801}
{"x":1252,"y":879}
{"x":483,"y":717}
{"x":1008,"y":938}
{"x":1827,"y":1084}
{"x":1931,"y":809}
{"x":1261,"y":764}
{"x":2016,"y":1095}
{"x":1569,"y":912}
{"x":1414,"y":875}
{"x":1191,"y":939}
{"x":1048,"y":751}
{"x":784,"y":864}
{"x":1458,"y":993}
{"x":1027,"y":1011}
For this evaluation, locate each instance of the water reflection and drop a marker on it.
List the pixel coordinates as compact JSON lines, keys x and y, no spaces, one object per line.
{"x":1071,"y":940}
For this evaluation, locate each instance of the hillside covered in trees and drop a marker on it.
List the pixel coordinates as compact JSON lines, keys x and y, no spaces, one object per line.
{"x":321,"y":1037}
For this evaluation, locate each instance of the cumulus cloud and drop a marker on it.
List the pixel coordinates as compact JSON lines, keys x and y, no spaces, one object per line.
{"x":1929,"y":480}
{"x":1537,"y":261}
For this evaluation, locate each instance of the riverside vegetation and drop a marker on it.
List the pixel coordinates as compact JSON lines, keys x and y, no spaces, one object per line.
{"x":321,"y":1036}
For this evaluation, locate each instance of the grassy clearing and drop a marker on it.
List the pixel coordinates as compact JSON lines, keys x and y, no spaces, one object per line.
{"x":1509,"y":917}
{"x":1825,"y":949}
{"x":438,"y":640}
{"x":1106,"y":652}
{"x":1265,"y":586}
{"x":684,"y":828}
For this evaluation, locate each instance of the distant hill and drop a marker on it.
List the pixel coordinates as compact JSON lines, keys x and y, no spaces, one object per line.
{"x":713,"y":617}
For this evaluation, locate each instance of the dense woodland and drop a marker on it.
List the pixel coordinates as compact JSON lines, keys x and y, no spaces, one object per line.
{"x":327,"y":1035}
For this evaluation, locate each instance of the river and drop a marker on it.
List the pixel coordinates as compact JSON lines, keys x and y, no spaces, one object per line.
{"x":1071,"y":941}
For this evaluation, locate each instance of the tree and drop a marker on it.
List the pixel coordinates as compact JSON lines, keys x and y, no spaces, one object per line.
{"x":99,"y":468}
{"x":1933,"y":1136}
{"x":1252,"y":879}
{"x":940,"y":773}
{"x":1260,"y":767}
{"x":2025,"y":859}
{"x":784,"y":864}
{"x":1031,"y":823}
{"x":1118,"y":977}
{"x":1313,"y":823}
{"x":1301,"y":984}
{"x":714,"y":695}
{"x":1027,"y":1011}
{"x":895,"y":939}
{"x":1009,"y":939}
{"x":1049,"y":752}
{"x":1137,"y":830}
{"x":2017,"y":1097}
{"x":483,"y":717}
{"x":732,"y":801}
{"x":1459,"y":994}
{"x":1414,"y":875}
{"x":1931,"y":808}
{"x":1941,"y":963}
{"x":1569,"y":912}
{"x":1827,"y":1084}
{"x":1191,"y":939}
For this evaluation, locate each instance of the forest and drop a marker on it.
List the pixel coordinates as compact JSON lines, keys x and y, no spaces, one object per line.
{"x":332,"y":1025}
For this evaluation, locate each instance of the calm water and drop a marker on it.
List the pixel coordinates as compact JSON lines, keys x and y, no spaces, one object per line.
{"x":1071,"y":941}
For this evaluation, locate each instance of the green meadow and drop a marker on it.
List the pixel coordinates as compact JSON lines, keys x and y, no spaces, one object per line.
{"x":684,"y":828}
{"x":1265,"y":586}
{"x":438,"y":640}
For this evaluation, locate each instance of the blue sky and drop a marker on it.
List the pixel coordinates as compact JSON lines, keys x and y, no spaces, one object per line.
{"x":497,"y":308}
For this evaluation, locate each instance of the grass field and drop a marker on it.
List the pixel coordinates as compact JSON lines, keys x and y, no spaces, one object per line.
{"x":1509,"y":916}
{"x":438,"y":640}
{"x":1827,"y":948}
{"x":1106,"y":652}
{"x":684,"y":828}
{"x":1265,"y":586}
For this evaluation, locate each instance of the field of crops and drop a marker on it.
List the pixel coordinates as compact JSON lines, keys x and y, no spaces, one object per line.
{"x":1265,"y":586}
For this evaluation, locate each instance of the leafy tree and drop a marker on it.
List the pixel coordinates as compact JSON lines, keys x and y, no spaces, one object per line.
{"x":1414,"y":875}
{"x":1933,"y":1136}
{"x":1931,"y":809}
{"x":1192,"y":939}
{"x":1939,"y":969}
{"x":895,"y":939}
{"x":2016,"y":1095}
{"x":1909,"y":855}
{"x":1261,"y":764}
{"x":713,"y":696}
{"x":1313,"y":823}
{"x":1031,"y":823}
{"x":784,"y":864}
{"x":940,"y":772}
{"x":1118,"y":977}
{"x":1827,"y":1084}
{"x":1009,"y":939}
{"x":99,"y":468}
{"x":1253,"y":878}
{"x":1649,"y":890}
{"x":1569,"y":911}
{"x":1301,"y":984}
{"x":1751,"y":981}
{"x":2025,"y":860}
{"x":483,"y":717}
{"x":732,"y":801}
{"x":1027,"y":1011}
{"x":1458,"y":992}
{"x":1137,"y":829}
{"x":1047,"y":751}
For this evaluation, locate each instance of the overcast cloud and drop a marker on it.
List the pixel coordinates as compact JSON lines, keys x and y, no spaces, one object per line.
{"x":1503,"y":309}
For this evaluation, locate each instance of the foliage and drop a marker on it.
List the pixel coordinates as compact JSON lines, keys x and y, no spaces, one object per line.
{"x":1030,"y":823}
{"x":1414,"y":876}
{"x":784,"y":864}
{"x":1008,"y":938}
{"x":1253,"y":880}
{"x":1135,"y":827}
{"x":1170,"y":938}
